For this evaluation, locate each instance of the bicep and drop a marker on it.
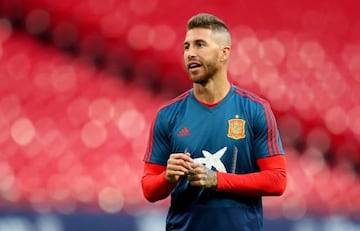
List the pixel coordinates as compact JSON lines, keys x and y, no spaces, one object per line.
{"x":153,"y":169}
{"x":272,"y":163}
{"x":158,"y":146}
{"x":267,"y":141}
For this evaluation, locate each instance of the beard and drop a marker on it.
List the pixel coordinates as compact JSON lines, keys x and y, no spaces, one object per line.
{"x":207,"y":71}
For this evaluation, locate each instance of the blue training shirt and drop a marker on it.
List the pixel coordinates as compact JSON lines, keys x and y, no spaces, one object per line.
{"x":228,"y":137}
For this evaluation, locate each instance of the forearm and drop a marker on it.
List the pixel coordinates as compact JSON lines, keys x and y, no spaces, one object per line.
{"x":269,"y":181}
{"x":265,"y":183}
{"x":154,"y":184}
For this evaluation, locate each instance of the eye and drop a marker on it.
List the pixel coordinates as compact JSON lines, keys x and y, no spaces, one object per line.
{"x":186,"y":47}
{"x":200,"y":44}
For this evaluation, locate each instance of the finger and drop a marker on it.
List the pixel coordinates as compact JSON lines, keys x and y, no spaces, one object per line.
{"x":197,"y":166}
{"x":193,"y":177}
{"x":176,"y":173}
{"x":188,"y":154}
{"x":198,"y":177}
{"x":181,"y":162}
{"x":197,"y":180}
{"x":179,"y":165}
{"x":181,"y":156}
{"x":178,"y":168}
{"x":186,"y":158}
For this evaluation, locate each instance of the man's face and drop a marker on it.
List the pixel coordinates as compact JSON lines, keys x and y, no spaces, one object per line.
{"x":201,"y":54}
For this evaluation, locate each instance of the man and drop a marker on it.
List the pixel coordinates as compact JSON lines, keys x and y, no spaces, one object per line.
{"x":216,"y":148}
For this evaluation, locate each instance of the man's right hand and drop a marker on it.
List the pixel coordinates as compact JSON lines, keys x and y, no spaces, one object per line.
{"x":178,"y":165}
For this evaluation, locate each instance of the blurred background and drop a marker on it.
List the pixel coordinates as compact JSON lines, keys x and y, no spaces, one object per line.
{"x":80,"y":82}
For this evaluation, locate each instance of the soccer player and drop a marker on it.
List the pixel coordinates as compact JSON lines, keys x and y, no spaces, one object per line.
{"x":216,"y":148}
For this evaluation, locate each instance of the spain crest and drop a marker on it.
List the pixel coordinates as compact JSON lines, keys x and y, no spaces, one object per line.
{"x":236,"y":128}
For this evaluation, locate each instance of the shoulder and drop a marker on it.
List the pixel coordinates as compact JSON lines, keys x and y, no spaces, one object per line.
{"x":174,"y":104}
{"x":249,"y":96}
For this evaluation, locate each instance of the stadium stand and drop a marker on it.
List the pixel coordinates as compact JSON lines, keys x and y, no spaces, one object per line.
{"x":81,"y":82}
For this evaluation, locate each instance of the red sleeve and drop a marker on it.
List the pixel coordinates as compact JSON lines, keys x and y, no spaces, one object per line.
{"x":269,"y":181}
{"x":154,"y":184}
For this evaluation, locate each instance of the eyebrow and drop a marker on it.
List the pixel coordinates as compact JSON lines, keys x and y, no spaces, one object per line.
{"x":195,"y":41}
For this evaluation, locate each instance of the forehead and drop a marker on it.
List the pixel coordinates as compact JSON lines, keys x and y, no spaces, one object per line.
{"x":198,"y":34}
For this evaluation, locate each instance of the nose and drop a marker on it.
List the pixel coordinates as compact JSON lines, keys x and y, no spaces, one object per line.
{"x":190,"y":53}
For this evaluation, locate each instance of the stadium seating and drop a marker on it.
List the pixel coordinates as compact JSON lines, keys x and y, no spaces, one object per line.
{"x":81,"y":82}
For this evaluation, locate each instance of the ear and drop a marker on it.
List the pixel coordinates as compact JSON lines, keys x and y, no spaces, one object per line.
{"x":225,"y":53}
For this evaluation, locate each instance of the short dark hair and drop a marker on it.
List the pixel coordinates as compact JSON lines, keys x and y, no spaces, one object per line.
{"x":207,"y":21}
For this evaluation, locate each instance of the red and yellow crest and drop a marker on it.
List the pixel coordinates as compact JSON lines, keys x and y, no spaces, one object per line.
{"x":236,"y":128}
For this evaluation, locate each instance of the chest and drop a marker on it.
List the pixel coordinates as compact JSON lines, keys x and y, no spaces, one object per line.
{"x":220,"y":138}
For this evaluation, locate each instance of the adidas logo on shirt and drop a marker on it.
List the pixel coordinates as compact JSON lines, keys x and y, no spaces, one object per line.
{"x":184,"y":132}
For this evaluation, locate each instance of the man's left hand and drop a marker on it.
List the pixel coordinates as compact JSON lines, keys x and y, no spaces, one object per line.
{"x":201,"y":176}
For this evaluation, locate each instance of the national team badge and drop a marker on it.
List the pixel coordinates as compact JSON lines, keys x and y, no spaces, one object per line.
{"x":236,"y":128}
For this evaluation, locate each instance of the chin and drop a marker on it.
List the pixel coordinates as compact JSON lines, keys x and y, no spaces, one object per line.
{"x":201,"y":81}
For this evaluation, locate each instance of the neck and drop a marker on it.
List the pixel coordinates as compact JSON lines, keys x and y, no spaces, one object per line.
{"x":211,"y":92}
